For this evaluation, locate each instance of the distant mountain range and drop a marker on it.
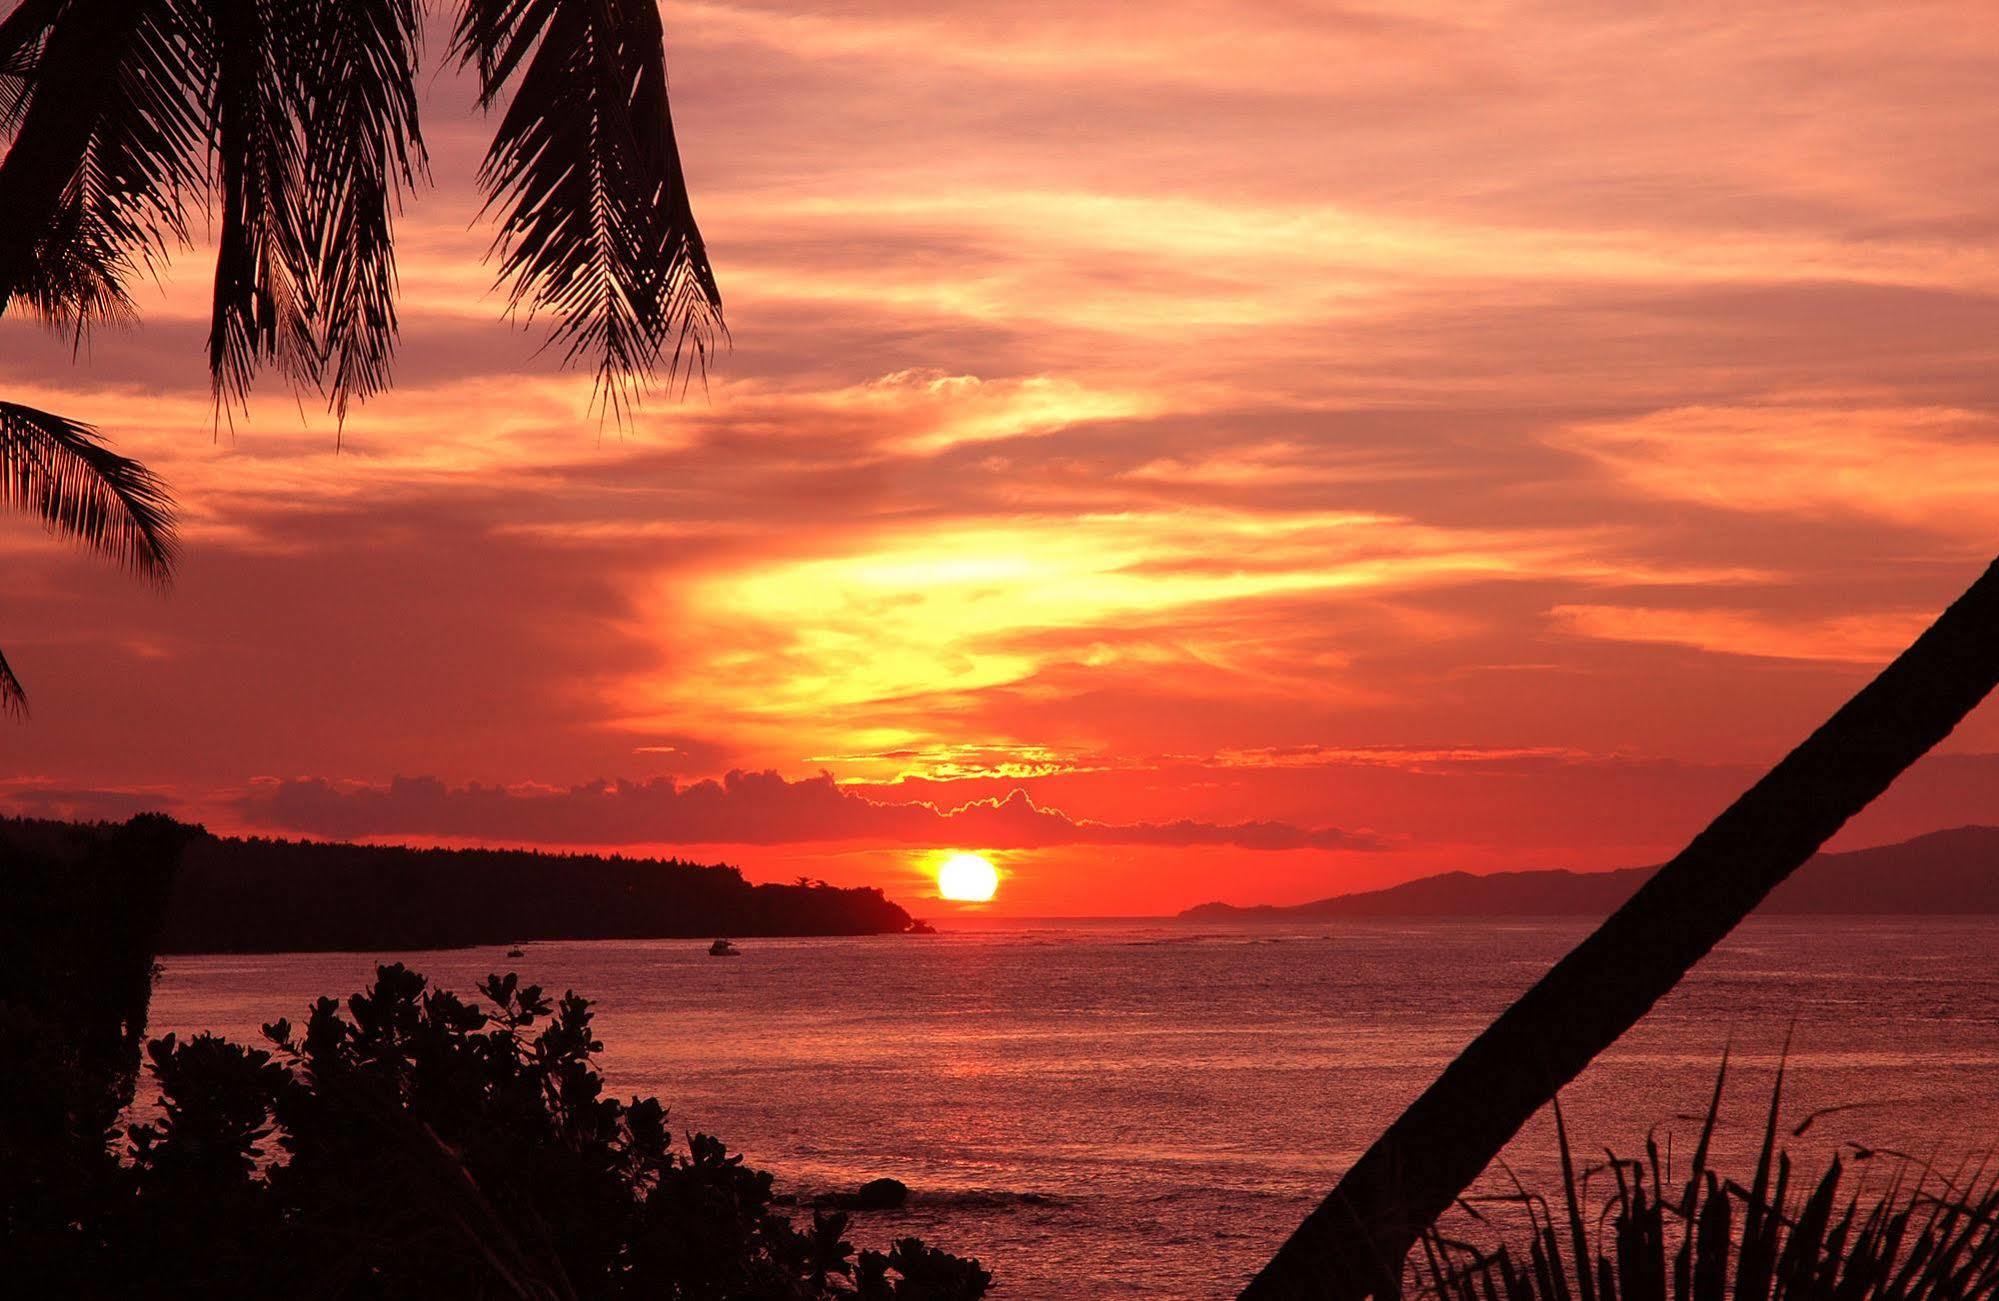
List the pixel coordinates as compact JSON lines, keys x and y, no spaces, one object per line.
{"x":1943,"y":872}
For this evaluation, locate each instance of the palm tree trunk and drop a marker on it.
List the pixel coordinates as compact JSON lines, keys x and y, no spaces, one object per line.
{"x":1354,"y":1244}
{"x":84,"y":50}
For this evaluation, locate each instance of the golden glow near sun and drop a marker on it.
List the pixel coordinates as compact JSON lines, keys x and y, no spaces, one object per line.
{"x":967,"y":878}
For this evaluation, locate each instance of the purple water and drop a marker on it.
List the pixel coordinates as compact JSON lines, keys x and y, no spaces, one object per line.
{"x":1146,"y":1109}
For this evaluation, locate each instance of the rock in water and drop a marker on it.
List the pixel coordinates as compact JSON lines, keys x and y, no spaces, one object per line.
{"x":881,"y":1195}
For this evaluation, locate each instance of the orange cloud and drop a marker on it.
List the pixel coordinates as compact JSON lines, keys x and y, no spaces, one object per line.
{"x":1847,"y":639}
{"x":1929,"y":468}
{"x":1133,"y":414}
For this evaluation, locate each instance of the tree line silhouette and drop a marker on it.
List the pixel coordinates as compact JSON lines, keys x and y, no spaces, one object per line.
{"x":258,"y":895}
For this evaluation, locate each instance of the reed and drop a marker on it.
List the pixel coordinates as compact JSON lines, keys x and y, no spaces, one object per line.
{"x":1923,"y":1236}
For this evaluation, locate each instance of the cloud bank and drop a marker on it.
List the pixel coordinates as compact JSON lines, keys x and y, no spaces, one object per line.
{"x":1095,"y":428}
{"x":743,"y":808}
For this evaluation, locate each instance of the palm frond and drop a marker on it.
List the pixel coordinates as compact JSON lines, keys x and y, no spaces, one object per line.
{"x":298,"y":118}
{"x":77,"y":280}
{"x":61,"y":471}
{"x":53,"y":101}
{"x":13,"y":700}
{"x":362,"y":152}
{"x":23,"y":33}
{"x":262,"y":308}
{"x":105,"y":154}
{"x":598,"y":229}
{"x":147,"y":155}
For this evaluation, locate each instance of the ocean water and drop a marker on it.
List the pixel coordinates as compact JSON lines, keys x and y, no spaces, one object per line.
{"x":1148,"y":1108}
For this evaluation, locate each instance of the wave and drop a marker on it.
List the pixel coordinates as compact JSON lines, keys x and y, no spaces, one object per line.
{"x":984,"y":1199}
{"x":948,"y":1199}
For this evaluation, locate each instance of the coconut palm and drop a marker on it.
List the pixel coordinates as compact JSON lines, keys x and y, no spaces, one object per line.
{"x":291,"y":127}
{"x":1355,"y":1242}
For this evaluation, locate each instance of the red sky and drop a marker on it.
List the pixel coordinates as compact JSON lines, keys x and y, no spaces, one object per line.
{"x":1248,"y":453}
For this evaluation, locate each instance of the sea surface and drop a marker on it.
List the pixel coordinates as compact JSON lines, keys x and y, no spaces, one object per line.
{"x":1145,"y":1108}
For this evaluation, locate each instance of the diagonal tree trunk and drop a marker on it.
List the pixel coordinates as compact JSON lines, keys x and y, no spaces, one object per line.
{"x":1354,"y":1244}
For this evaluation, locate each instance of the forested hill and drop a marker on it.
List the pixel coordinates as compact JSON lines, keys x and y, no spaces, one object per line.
{"x":1945,"y":872}
{"x":256,"y":895}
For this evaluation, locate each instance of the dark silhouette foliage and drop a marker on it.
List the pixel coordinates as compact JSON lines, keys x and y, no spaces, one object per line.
{"x":61,"y":472}
{"x":290,"y":129}
{"x":80,"y":914}
{"x":1710,"y":1238}
{"x":259,"y":896}
{"x":1355,"y":1242}
{"x":408,"y":1144}
{"x":293,"y":127}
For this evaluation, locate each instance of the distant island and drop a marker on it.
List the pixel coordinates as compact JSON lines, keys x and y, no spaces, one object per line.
{"x":1943,"y":872}
{"x":257,"y":895}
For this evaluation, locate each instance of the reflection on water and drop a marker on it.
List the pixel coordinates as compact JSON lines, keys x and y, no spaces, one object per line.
{"x":1111,"y":1108}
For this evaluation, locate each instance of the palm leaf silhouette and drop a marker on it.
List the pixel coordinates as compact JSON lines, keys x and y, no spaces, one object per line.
{"x":293,"y":125}
{"x":597,"y":226}
{"x":101,"y":106}
{"x":60,"y":471}
{"x":362,"y":154}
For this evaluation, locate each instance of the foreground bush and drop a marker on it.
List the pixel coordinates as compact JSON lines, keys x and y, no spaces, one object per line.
{"x":412,"y":1145}
{"x":1927,"y":1235}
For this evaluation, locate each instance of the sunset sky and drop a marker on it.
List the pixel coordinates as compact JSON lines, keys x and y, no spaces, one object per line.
{"x":1183,"y":451}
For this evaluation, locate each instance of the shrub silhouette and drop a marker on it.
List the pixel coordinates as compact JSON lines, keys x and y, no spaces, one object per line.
{"x":408,"y":1144}
{"x":1709,"y":1238}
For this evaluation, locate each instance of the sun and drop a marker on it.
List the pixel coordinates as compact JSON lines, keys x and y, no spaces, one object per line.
{"x":967,"y":878}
